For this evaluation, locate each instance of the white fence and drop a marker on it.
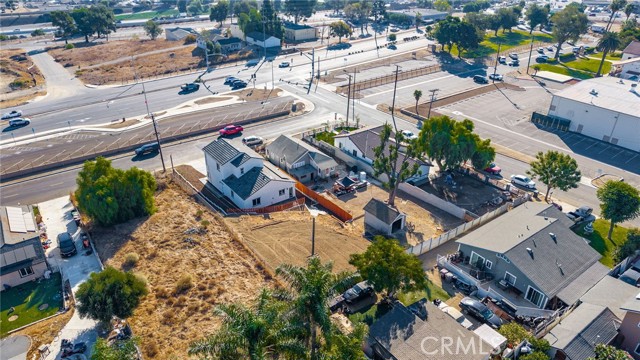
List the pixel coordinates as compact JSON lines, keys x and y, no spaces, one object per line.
{"x":433,"y":200}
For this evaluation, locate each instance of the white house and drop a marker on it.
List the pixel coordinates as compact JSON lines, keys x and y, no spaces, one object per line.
{"x":259,"y":39}
{"x":300,"y":160}
{"x":381,"y":218}
{"x":244,"y":176}
{"x":298,"y":32}
{"x":602,"y":108}
{"x":359,"y":144}
{"x":631,"y":51}
{"x":210,"y":35}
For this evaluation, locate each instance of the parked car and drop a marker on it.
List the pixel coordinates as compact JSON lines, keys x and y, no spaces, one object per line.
{"x":358,"y":291}
{"x":66,"y":245}
{"x":409,"y":135}
{"x":542,"y":58}
{"x":497,"y":77}
{"x":284,"y":64}
{"x":523,"y":181}
{"x":147,"y":149}
{"x":11,"y":114}
{"x":252,"y":140}
{"x":230,"y":80}
{"x":239,"y":85}
{"x":481,"y":312}
{"x":541,"y":50}
{"x":550,"y":48}
{"x":455,"y":314}
{"x":19,"y":122}
{"x":493,"y":169}
{"x":480,"y":79}
{"x":236,"y":81}
{"x":502,"y":60}
{"x":231,"y":130}
{"x":394,"y":29}
{"x":252,"y":62}
{"x":190,"y":87}
{"x":514,"y":63}
{"x":514,"y":56}
{"x":581,"y":214}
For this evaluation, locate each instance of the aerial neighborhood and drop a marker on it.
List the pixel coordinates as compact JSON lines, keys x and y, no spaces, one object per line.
{"x":338,"y":180}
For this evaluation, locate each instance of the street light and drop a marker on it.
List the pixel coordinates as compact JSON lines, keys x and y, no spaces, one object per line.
{"x":314,"y":214}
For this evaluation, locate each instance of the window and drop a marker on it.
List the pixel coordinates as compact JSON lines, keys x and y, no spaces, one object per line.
{"x":476,"y":260}
{"x":26,"y":271}
{"x":509,"y":278}
{"x":534,"y":296}
{"x":281,"y":192}
{"x":256,"y":201}
{"x":232,"y":195}
{"x":217,"y":166}
{"x":241,"y":171}
{"x":501,"y":256}
{"x":355,"y":153}
{"x":488,"y":264}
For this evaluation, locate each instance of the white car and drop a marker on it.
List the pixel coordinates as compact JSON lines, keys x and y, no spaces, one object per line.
{"x":284,"y":64}
{"x":19,"y":122}
{"x":495,"y":77}
{"x":12,"y":114}
{"x":252,"y":140}
{"x":521,"y":180}
{"x":455,"y":314}
{"x":409,"y":135}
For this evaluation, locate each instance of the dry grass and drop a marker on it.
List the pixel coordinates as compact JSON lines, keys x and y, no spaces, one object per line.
{"x":17,"y":73}
{"x":122,"y":124}
{"x":212,"y":99}
{"x":45,"y":331}
{"x":221,"y":269}
{"x":257,"y":94}
{"x":285,"y":237}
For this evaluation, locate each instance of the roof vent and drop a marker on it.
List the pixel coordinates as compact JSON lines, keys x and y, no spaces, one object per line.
{"x":530,"y":251}
{"x":553,"y":236}
{"x":633,"y":88}
{"x":593,"y":92}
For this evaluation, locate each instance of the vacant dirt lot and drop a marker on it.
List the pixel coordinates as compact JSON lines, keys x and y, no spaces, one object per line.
{"x":20,"y":79}
{"x":286,"y":238}
{"x":181,"y":240}
{"x":468,"y":193}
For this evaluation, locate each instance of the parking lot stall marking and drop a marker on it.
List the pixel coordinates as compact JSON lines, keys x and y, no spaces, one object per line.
{"x":605,"y":149}
{"x":634,"y":156}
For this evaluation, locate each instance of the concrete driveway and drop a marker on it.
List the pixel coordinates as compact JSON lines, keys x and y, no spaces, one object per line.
{"x":15,"y":348}
{"x":76,"y":269}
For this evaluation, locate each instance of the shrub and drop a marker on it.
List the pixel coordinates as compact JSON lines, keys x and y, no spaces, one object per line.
{"x":184,"y":284}
{"x":150,"y":349}
{"x":189,"y":39}
{"x":69,"y":46}
{"x":198,"y":214}
{"x":392,"y":37}
{"x":130,"y":260}
{"x":205,"y":223}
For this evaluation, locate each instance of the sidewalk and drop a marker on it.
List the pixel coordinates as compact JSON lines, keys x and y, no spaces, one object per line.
{"x":56,"y":215}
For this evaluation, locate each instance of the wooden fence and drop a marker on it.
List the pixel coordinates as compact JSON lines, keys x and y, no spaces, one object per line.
{"x":333,"y":208}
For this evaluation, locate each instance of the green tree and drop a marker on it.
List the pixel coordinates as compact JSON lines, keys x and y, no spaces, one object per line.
{"x":391,"y":162}
{"x":568,"y":24}
{"x":417,"y":94}
{"x":300,"y":9}
{"x":484,"y":154}
{"x":82,"y":19}
{"x":608,"y":352}
{"x":478,"y":20}
{"x":615,"y":6}
{"x":245,"y":6}
{"x":508,"y":18}
{"x":312,"y":287}
{"x":152,"y":29}
{"x":514,"y":333}
{"x":110,"y":293}
{"x":336,"y":5}
{"x":445,"y":32}
{"x":630,"y":245}
{"x":182,"y":6}
{"x":124,"y":350}
{"x":619,"y":202}
{"x":494,"y":24}
{"x":608,"y":42}
{"x":537,"y":15}
{"x":629,"y":9}
{"x":273,"y":25}
{"x":195,"y":7}
{"x":442,"y":5}
{"x":536,"y":355}
{"x":389,"y":268}
{"x":555,"y":170}
{"x":392,"y":37}
{"x":219,"y":11}
{"x":340,"y":29}
{"x":262,"y":331}
{"x":103,"y":21}
{"x":37,"y":32}
{"x":467,"y":37}
{"x":378,"y":10}
{"x":348,"y":346}
{"x":64,"y":22}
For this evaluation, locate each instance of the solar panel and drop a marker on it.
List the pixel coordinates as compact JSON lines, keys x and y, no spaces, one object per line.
{"x":16,"y":220}
{"x":29,"y":222}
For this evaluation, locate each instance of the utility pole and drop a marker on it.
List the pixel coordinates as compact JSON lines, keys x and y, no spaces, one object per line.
{"x":530,"y":52}
{"x":495,"y":68}
{"x":264,"y":39}
{"x":433,"y":96}
{"x":353,"y":98}
{"x":393,"y":103}
{"x":348,"y":98}
{"x":313,"y":236}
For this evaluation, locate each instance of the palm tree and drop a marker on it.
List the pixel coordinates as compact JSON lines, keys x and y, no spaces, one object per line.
{"x":313,"y":286}
{"x":615,"y":6}
{"x":417,"y":94}
{"x":609,"y":41}
{"x":256,"y":333}
{"x":629,"y":9}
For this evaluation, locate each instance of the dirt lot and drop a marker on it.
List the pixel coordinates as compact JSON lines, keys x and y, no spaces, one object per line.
{"x":426,"y":224}
{"x":20,"y":80}
{"x":286,"y":238}
{"x":222,"y":270}
{"x":43,"y":332}
{"x":467,"y":193}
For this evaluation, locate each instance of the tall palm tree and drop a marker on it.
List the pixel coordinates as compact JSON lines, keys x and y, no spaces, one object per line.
{"x":615,"y":6}
{"x":258,"y":332}
{"x":629,"y":9}
{"x":609,"y":41}
{"x":417,"y":94}
{"x":312,"y":288}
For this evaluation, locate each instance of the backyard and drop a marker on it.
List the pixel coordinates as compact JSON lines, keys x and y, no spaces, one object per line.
{"x":598,"y":240}
{"x":30,"y":302}
{"x":504,"y":41}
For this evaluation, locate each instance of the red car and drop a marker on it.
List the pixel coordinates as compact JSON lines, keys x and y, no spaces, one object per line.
{"x":493,"y":169}
{"x":231,"y":130}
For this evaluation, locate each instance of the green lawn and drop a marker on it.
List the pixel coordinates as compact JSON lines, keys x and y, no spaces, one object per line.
{"x":326,"y":136}
{"x":505,"y":41}
{"x":598,"y":239}
{"x":26,"y":299}
{"x":590,"y":65}
{"x":147,"y":14}
{"x":560,"y":69}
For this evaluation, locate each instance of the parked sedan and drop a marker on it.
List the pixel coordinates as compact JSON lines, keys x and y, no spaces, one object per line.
{"x":497,"y":77}
{"x":252,"y":140}
{"x":66,"y":245}
{"x":230,"y":79}
{"x":521,"y":180}
{"x":455,"y":314}
{"x":231,"y":130}
{"x":11,"y":114}
{"x":481,"y":312}
{"x":357,"y":292}
{"x":284,"y":64}
{"x":493,"y":169}
{"x":480,"y":79}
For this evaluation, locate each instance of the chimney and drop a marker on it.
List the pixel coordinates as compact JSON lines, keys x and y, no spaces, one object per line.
{"x":530,"y":251}
{"x":553,"y":236}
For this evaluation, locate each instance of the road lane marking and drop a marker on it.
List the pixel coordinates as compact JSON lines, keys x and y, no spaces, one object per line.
{"x":56,"y":184}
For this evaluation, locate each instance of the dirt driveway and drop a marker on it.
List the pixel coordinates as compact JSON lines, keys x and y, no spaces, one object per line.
{"x":285,"y":237}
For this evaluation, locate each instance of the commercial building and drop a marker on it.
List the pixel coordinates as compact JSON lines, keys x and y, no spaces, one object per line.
{"x":299,"y":32}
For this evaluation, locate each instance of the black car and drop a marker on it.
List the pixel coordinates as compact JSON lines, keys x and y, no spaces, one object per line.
{"x":66,"y":245}
{"x":481,"y":312}
{"x":147,"y":149}
{"x":357,"y":292}
{"x":239,"y":85}
{"x":480,"y":79}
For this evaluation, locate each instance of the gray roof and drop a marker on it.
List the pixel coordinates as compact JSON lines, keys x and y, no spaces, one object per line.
{"x":254,"y":180}
{"x":612,"y":293}
{"x":382,"y":211}
{"x":243,"y":158}
{"x":258,"y":36}
{"x":400,"y":335}
{"x":633,"y":304}
{"x":293,"y":149}
{"x":227,"y":41}
{"x":633,"y":48}
{"x":586,"y":326}
{"x":221,"y":151}
{"x":555,"y":263}
{"x":293,"y":26}
{"x":585,"y":281}
{"x":23,"y":254}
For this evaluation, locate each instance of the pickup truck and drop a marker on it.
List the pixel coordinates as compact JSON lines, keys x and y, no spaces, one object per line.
{"x":581,"y":214}
{"x":190,"y":87}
